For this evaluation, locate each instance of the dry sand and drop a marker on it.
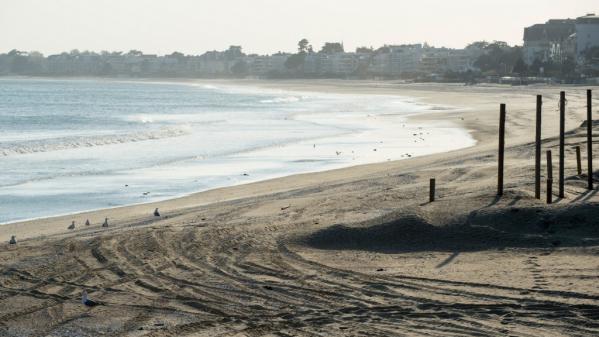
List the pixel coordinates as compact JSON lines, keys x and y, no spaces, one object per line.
{"x":356,"y":251}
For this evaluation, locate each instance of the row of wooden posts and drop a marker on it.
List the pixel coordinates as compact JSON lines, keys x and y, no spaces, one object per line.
{"x":562,"y":128}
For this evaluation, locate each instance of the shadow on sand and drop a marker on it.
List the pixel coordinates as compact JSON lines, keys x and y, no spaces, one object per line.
{"x":576,"y":225}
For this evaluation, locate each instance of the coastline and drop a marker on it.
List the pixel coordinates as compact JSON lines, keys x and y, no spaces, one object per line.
{"x":418,"y":118}
{"x":326,"y":253}
{"x":473,"y":110}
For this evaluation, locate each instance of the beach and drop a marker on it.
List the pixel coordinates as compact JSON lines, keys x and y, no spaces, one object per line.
{"x":351,"y":251}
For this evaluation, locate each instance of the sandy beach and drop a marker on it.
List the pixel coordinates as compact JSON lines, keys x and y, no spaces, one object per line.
{"x":356,"y":251}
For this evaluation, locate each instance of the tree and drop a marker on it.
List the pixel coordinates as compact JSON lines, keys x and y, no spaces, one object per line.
{"x":295,"y":61}
{"x":134,"y":52}
{"x":498,"y":58}
{"x":520,"y":67}
{"x":478,"y":45}
{"x":591,"y":55}
{"x":332,"y":48}
{"x":303,"y":46}
{"x":364,"y":50}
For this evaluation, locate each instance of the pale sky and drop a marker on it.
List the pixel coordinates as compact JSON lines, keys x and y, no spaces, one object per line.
{"x":267,"y":26}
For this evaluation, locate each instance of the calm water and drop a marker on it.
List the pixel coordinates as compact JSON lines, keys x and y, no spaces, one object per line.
{"x":75,"y":145}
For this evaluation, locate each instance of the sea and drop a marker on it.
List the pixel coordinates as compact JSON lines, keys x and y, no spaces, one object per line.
{"x":73,"y":145}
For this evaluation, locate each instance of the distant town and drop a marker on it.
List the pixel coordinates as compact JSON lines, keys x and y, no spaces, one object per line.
{"x":560,"y":50}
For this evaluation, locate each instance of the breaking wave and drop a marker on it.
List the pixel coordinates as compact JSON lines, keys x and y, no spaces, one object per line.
{"x":287,"y":99}
{"x":65,"y":143}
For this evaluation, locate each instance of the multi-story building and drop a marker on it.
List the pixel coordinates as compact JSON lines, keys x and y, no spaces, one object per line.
{"x":548,"y":41}
{"x":587,"y":35}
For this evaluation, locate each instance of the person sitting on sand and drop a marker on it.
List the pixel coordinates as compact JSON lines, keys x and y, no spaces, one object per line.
{"x":72,"y":226}
{"x":156,"y":213}
{"x":13,"y":240}
{"x":105,"y":224}
{"x":86,"y":301}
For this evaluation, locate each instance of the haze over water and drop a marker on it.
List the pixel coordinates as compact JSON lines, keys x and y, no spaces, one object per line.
{"x":74,"y":145}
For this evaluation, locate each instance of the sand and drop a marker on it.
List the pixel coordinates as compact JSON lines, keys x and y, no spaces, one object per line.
{"x":350,"y":252}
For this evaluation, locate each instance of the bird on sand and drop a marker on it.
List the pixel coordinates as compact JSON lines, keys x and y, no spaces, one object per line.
{"x":86,"y":301}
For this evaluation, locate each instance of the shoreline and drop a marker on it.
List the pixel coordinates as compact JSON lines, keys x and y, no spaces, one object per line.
{"x":474,"y":100}
{"x":431,"y":109}
{"x":326,"y":253}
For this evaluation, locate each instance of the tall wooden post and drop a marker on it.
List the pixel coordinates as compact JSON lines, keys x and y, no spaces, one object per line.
{"x":549,"y":165}
{"x":562,"y":130}
{"x":501,"y":149}
{"x":549,"y":177}
{"x":431,"y":196}
{"x":578,"y":161}
{"x":538,"y":149}
{"x":549,"y":192}
{"x":590,"y":139}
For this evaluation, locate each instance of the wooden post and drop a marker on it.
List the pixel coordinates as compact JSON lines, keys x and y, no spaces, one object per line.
{"x":562,"y":130}
{"x":578,"y":162}
{"x":549,"y":165}
{"x":549,"y":193}
{"x":590,"y":139}
{"x":431,"y":196}
{"x":501,"y":149}
{"x":538,"y":149}
{"x":549,"y":177}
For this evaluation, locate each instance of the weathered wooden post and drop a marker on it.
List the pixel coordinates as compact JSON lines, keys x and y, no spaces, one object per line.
{"x":501,"y":149}
{"x":549,"y":165}
{"x":538,"y":149}
{"x":590,"y":139}
{"x":549,"y":177}
{"x":549,"y":193}
{"x":562,"y":130}
{"x":578,"y":161}
{"x":431,"y":196}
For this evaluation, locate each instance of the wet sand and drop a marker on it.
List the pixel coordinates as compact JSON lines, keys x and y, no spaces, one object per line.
{"x":354,"y":251}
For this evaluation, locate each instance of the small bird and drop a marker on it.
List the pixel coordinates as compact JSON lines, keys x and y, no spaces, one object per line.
{"x":86,"y":301}
{"x":105,"y":224}
{"x":72,"y":226}
{"x":156,"y":213}
{"x":87,"y":222}
{"x":13,"y":240}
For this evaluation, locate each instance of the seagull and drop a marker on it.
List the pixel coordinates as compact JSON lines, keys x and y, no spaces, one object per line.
{"x":86,"y":301}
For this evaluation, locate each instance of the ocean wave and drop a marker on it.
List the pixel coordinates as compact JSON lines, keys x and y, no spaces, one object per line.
{"x":65,"y":143}
{"x":287,"y":99}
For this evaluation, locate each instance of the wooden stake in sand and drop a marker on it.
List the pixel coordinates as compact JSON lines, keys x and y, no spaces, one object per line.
{"x":590,"y":138}
{"x":549,"y":193}
{"x":549,"y":177}
{"x":538,"y":149}
{"x":562,"y":129}
{"x":549,"y":166}
{"x":578,"y":162}
{"x":501,"y":149}
{"x":431,"y":195}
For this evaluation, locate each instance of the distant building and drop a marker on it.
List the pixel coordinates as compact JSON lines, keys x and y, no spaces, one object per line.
{"x":548,"y":41}
{"x":587,"y":34}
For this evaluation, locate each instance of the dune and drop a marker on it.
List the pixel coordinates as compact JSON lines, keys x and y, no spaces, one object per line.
{"x":354,"y":251}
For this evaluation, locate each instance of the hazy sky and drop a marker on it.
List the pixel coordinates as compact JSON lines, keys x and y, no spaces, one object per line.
{"x":267,"y":26}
